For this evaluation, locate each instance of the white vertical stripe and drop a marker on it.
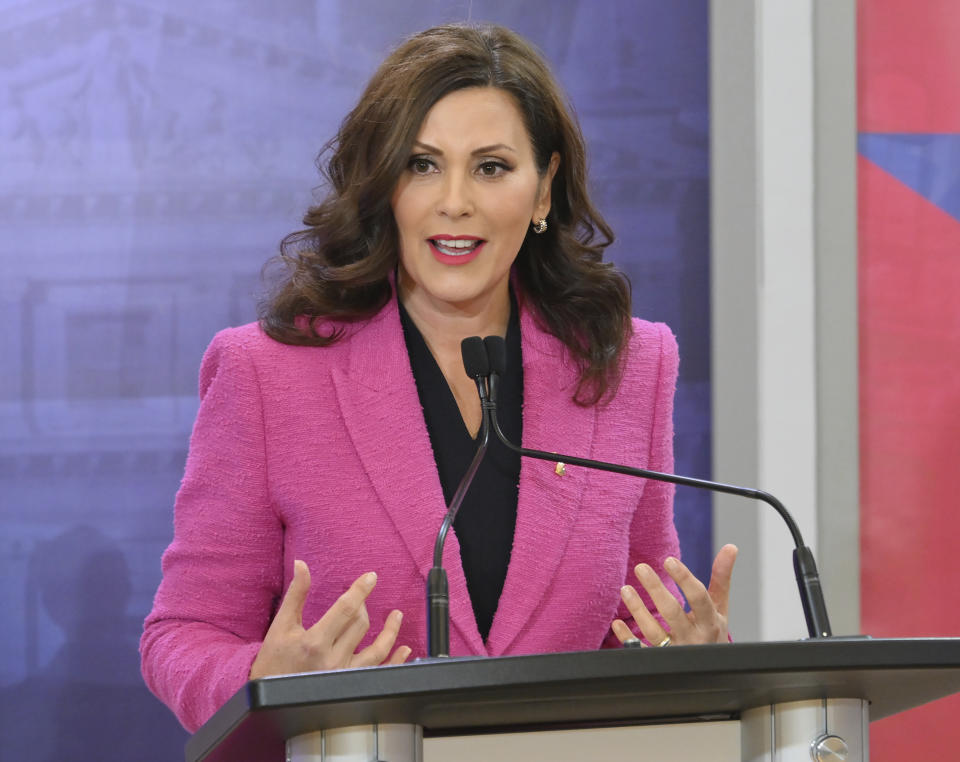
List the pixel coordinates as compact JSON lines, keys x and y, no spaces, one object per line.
{"x":786,"y":301}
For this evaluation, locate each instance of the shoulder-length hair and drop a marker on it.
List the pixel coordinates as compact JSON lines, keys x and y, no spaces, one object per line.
{"x":338,"y":268}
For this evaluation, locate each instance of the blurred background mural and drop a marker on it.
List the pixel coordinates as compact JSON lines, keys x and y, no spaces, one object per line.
{"x":152,"y":155}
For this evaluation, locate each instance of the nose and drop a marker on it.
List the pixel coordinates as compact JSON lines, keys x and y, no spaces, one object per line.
{"x":456,"y":197}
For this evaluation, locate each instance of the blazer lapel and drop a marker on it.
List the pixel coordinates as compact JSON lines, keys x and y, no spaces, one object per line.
{"x":548,"y":503}
{"x":381,"y":410}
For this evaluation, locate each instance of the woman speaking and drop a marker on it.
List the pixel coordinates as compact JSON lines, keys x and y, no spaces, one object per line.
{"x":332,"y":433}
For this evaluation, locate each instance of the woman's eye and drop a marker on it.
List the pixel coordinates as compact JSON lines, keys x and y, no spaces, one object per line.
{"x":492,"y":168}
{"x":420,"y":165}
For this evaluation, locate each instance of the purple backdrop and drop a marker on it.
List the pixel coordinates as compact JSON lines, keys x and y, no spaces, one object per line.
{"x":152,"y":154}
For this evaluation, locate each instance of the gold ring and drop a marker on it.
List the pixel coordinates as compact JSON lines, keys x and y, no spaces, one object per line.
{"x":664,"y":642}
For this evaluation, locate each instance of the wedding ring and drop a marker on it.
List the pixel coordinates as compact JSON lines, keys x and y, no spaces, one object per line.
{"x":664,"y":642}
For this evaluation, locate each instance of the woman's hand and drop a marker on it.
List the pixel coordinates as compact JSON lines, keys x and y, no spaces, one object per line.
{"x":706,"y":622}
{"x":330,"y":643}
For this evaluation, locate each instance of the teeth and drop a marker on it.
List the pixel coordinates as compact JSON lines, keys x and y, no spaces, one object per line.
{"x":458,"y":244}
{"x":456,"y":248}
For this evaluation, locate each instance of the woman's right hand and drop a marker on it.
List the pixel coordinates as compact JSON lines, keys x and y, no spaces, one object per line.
{"x":332,"y":641}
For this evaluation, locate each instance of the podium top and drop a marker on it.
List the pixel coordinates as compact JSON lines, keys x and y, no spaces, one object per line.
{"x":676,"y":684}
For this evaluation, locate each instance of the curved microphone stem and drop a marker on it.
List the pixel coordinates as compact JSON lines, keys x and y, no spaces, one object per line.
{"x":438,"y":598}
{"x":804,"y":565}
{"x":483,"y":440}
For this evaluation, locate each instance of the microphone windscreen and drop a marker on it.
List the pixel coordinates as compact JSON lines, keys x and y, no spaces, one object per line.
{"x":496,"y":354}
{"x":474,"y":355}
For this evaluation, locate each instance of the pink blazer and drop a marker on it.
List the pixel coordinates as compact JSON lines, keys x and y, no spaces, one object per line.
{"x":322,"y":454}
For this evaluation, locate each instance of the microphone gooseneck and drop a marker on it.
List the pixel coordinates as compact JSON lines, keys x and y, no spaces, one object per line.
{"x":804,"y":565}
{"x":438,"y":599}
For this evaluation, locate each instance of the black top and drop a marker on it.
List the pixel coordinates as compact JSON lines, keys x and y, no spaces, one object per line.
{"x":488,"y":514}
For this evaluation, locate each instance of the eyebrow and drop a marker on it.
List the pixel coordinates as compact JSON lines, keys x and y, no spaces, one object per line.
{"x":482,"y":150}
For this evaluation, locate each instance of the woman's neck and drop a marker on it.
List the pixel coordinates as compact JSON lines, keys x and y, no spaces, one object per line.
{"x":444,"y":325}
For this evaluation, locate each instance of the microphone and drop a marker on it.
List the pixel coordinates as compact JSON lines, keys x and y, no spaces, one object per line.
{"x":476,"y":365}
{"x":804,"y":565}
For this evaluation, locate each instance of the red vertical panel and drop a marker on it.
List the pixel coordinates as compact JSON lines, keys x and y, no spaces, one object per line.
{"x":909,"y":410}
{"x":909,"y":280}
{"x":908,"y":65}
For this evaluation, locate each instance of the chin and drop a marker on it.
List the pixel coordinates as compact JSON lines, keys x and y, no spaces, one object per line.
{"x":456,"y":297}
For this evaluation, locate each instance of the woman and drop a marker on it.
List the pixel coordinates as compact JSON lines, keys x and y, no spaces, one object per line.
{"x":331,"y":435}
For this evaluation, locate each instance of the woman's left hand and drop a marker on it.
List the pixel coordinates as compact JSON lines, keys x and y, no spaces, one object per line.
{"x":706,"y":622}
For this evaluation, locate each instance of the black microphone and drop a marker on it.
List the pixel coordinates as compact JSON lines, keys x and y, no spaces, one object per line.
{"x":438,"y":600}
{"x":804,"y":565}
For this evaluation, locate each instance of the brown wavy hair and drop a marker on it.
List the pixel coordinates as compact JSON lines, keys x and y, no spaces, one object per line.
{"x":338,"y":268}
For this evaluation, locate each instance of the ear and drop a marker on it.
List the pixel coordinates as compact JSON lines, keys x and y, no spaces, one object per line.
{"x":542,"y":207}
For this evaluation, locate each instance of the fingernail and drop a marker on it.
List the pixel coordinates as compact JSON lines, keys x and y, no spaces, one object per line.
{"x":671,"y":564}
{"x":369,"y":579}
{"x":398,"y":615}
{"x":628,"y":592}
{"x":643,"y":569}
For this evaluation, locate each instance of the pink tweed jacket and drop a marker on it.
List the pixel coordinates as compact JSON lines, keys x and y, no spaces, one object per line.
{"x":322,"y":454}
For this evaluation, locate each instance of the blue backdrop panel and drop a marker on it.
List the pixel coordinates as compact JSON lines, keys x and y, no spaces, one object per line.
{"x":152,"y":154}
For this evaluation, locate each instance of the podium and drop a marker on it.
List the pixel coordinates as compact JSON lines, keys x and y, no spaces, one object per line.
{"x":796,"y":700}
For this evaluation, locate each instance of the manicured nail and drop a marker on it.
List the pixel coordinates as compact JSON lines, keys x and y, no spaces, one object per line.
{"x":671,"y":564}
{"x":398,"y":615}
{"x":628,"y":593}
{"x":369,"y":580}
{"x":643,"y":569}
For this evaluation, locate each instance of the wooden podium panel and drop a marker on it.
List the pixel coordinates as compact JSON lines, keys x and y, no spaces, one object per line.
{"x":596,"y":688}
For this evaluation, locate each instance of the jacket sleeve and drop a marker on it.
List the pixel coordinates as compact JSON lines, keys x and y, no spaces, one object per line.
{"x":222,"y":574}
{"x":653,"y":535}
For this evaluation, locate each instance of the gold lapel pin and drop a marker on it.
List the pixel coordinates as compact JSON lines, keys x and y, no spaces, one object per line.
{"x":560,"y":470}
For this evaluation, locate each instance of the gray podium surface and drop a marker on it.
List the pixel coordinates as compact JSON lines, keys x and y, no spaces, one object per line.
{"x":584,"y":689}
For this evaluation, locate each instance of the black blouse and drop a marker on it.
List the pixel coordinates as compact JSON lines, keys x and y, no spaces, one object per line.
{"x":488,"y":514}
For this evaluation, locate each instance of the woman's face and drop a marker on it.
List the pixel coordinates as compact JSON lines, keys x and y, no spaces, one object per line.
{"x":465,"y":202}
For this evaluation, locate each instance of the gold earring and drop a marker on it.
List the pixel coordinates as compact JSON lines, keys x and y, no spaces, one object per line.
{"x":541,"y":226}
